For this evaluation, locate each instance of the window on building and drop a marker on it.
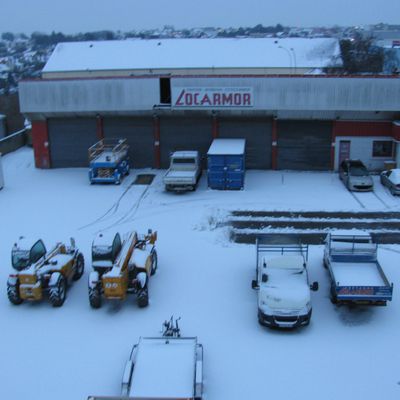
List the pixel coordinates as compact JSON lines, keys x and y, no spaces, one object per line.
{"x":165,"y":91}
{"x":382,"y":148}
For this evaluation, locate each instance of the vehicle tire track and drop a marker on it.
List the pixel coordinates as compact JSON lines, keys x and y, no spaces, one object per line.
{"x":383,"y":202}
{"x":357,"y":199}
{"x":111,"y":211}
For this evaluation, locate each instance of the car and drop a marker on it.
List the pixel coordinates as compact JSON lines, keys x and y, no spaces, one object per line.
{"x":355,"y":176}
{"x":391,"y":179}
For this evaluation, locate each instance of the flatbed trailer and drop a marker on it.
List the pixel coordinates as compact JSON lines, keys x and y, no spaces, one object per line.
{"x":108,"y":161}
{"x":355,"y":273}
{"x":163,"y":368}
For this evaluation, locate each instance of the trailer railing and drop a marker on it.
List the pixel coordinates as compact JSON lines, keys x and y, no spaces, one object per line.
{"x":113,"y":145}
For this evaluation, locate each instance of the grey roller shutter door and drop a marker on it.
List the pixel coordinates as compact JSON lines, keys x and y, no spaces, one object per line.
{"x":304,"y":145}
{"x":139,"y":133}
{"x":185,"y":134}
{"x":69,"y":141}
{"x":258,"y":135}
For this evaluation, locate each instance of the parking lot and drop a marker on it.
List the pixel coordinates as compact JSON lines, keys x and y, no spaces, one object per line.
{"x":203,"y":277}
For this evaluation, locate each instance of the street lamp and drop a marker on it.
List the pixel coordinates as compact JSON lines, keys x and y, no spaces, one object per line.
{"x":294,"y":58}
{"x":289,"y":54}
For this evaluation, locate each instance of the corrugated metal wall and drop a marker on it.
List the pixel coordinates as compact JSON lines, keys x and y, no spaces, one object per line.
{"x":304,"y":145}
{"x":69,"y":141}
{"x":139,"y":133}
{"x":258,"y":135}
{"x":184,"y":133}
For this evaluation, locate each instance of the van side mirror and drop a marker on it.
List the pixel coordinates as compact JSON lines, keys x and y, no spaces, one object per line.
{"x":254,"y":284}
{"x":314,"y":287}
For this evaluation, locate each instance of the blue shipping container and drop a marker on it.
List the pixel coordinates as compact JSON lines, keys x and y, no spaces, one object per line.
{"x":226,"y":164}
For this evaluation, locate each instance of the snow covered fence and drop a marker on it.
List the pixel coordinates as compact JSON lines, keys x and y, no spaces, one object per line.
{"x":13,"y":142}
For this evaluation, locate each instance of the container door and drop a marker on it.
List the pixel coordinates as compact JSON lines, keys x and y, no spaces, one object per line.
{"x":216,"y":172}
{"x":234,"y":172}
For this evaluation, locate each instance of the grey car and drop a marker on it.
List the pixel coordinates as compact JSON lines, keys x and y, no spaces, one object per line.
{"x":355,"y":176}
{"x":391,"y":179}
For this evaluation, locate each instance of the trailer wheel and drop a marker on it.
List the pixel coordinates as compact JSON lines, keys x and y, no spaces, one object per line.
{"x":154,"y":263}
{"x":13,"y":294}
{"x":58,"y":292}
{"x":79,"y":267}
{"x":94,"y":297}
{"x":143,"y":298}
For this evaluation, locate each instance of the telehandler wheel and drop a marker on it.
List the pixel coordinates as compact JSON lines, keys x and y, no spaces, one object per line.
{"x":58,"y":292}
{"x":143,"y":299}
{"x":13,"y":294}
{"x":154,"y":263}
{"x":79,"y":267}
{"x":94,"y":297}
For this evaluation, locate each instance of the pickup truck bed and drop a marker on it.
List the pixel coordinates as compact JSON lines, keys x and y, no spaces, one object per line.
{"x":355,"y":273}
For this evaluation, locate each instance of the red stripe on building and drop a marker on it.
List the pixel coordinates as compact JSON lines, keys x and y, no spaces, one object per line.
{"x":362,"y":128}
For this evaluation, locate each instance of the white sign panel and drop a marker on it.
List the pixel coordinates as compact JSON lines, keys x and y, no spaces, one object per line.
{"x":212,"y":97}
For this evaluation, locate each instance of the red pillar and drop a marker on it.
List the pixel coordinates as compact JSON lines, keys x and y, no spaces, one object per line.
{"x":40,"y":143}
{"x":274,"y":155}
{"x":333,"y":145}
{"x":214,"y":127}
{"x":99,"y":127}
{"x":157,"y":149}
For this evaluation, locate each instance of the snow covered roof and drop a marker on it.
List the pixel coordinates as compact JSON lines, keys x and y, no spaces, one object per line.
{"x":169,"y":363}
{"x":193,"y":53}
{"x":227,"y":147}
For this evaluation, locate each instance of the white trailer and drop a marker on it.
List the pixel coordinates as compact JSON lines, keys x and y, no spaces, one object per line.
{"x":163,"y":368}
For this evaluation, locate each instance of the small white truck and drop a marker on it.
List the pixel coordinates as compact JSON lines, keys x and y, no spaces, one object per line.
{"x":169,"y":367}
{"x":184,"y":171}
{"x":284,"y":299}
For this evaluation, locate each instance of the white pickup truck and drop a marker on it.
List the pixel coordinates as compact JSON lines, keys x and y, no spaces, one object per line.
{"x":184,"y":171}
{"x":284,"y":299}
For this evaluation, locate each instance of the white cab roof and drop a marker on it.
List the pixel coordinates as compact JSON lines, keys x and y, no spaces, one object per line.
{"x":185,"y":154}
{"x":227,"y":147}
{"x":164,"y":368}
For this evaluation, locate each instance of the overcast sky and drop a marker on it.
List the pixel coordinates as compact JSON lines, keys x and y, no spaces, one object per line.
{"x":73,"y":16}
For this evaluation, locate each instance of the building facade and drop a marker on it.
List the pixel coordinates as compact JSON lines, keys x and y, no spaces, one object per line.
{"x":289,"y":120}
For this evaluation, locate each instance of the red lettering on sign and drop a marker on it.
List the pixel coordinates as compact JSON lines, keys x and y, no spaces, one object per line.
{"x":179,"y":101}
{"x":237,"y":98}
{"x":196,"y":99}
{"x":188,"y":99}
{"x":217,"y":99}
{"x":205,"y":100}
{"x":246,"y":99}
{"x":227,"y":99}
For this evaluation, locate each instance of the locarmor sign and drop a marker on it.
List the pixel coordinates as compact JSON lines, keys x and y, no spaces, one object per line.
{"x":212,"y":97}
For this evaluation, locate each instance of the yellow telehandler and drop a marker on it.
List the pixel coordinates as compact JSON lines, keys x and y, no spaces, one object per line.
{"x":122,"y":266}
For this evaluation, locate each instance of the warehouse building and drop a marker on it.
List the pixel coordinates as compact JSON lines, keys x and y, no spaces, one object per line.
{"x":179,"y":94}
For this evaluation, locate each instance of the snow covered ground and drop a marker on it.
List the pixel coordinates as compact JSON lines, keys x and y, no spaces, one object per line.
{"x":74,"y":351}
